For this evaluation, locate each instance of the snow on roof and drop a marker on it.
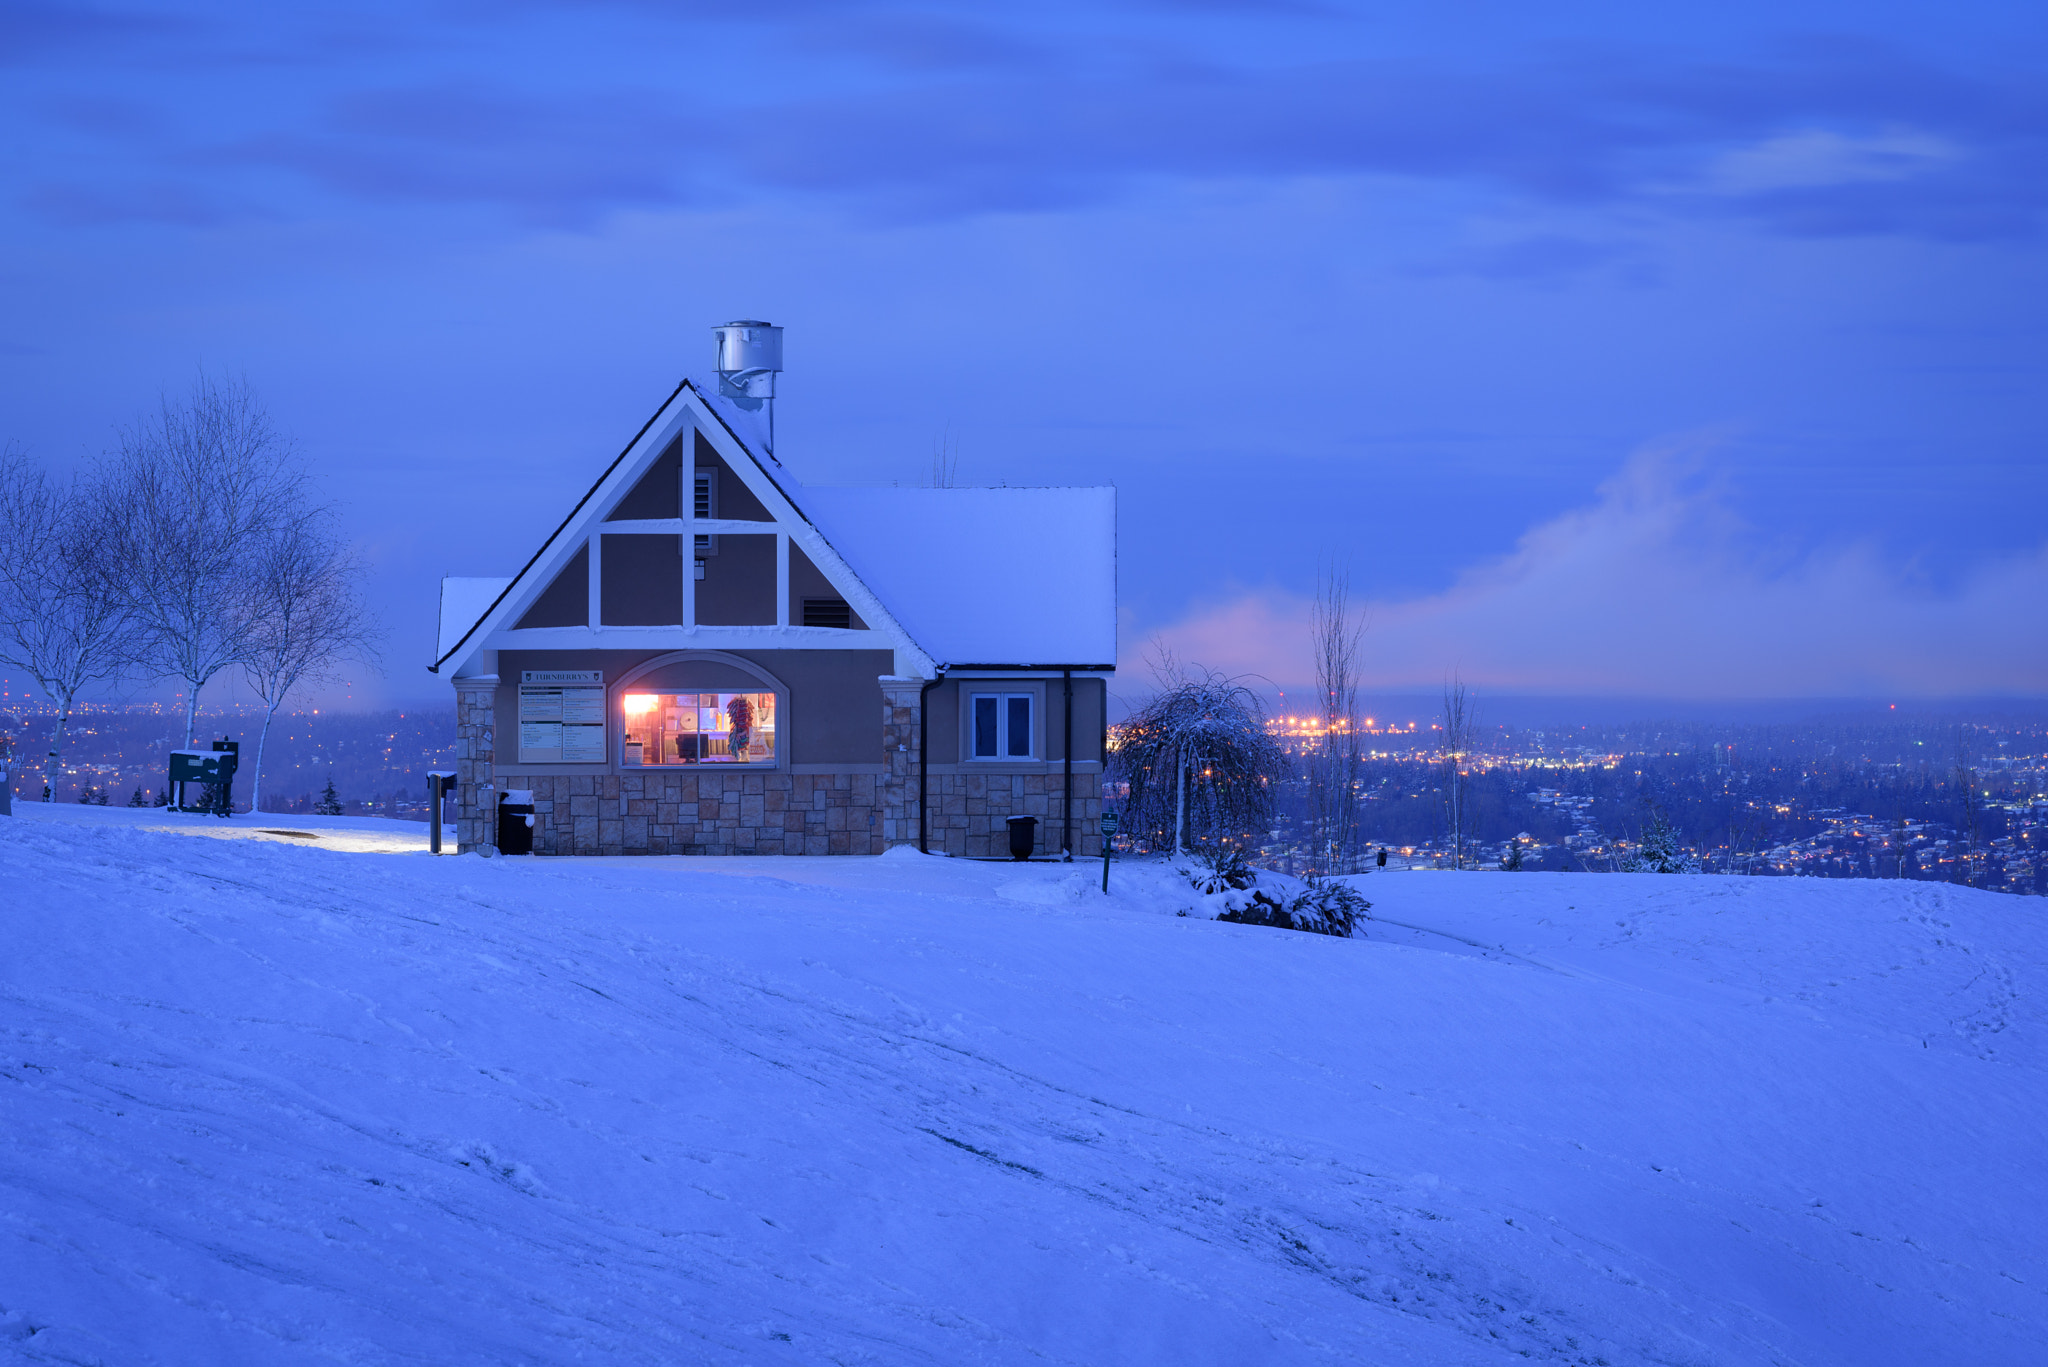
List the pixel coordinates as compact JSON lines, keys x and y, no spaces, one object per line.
{"x":463,"y":604}
{"x":984,"y":576}
{"x":750,"y":426}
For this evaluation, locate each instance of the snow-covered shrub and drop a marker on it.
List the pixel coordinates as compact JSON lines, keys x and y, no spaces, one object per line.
{"x":1328,"y":907}
{"x":1221,"y":869}
{"x":1317,"y":905}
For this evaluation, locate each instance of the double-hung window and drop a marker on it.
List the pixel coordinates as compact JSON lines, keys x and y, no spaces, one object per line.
{"x":999,"y":725}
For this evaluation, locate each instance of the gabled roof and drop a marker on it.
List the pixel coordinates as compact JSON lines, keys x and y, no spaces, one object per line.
{"x":961,"y":576}
{"x":463,"y":604}
{"x":985,"y":576}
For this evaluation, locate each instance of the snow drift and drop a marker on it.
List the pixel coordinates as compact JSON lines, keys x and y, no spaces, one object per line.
{"x":267,"y":1103}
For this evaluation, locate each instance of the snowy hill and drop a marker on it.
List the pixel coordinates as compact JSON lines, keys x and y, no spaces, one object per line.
{"x":266,"y":1102}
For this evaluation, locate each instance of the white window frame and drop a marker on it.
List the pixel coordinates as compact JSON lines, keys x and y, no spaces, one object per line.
{"x":631,"y":682}
{"x":1002,"y":700}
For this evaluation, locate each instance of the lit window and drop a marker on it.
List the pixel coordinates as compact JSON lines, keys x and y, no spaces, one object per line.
{"x":1001,"y":725}
{"x":699,"y":728}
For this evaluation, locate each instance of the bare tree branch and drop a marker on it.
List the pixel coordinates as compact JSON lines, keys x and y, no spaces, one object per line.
{"x":59,"y":624}
{"x":307,"y":619}
{"x":1335,"y":630}
{"x":182,"y":508}
{"x":1460,"y":722}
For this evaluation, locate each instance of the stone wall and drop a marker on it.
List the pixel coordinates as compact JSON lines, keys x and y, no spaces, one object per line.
{"x":704,"y":811}
{"x":901,"y":748}
{"x":968,"y":811}
{"x":475,"y":763}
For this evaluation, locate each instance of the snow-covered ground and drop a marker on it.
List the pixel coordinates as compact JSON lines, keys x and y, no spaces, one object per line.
{"x":355,"y":834}
{"x":269,"y":1101}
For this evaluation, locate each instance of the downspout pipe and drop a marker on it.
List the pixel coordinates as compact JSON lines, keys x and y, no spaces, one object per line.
{"x":1067,"y":759}
{"x":924,"y":749}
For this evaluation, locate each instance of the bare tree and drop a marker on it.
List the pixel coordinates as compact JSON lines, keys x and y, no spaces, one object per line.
{"x":1460,"y":721}
{"x":59,"y":624}
{"x":307,"y":618}
{"x":945,"y":460}
{"x":1970,"y":827}
{"x":1197,"y":758}
{"x":1332,"y":770}
{"x":184,"y":506}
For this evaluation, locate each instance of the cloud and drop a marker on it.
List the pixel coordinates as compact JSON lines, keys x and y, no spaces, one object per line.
{"x":183,"y":203}
{"x":1658,"y":589}
{"x":556,"y":160}
{"x":1819,"y":156}
{"x":1540,"y":256}
{"x":968,"y":117}
{"x":33,"y":32}
{"x":921,"y":42}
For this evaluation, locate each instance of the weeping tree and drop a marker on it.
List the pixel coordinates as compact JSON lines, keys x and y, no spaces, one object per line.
{"x":1199,"y":764}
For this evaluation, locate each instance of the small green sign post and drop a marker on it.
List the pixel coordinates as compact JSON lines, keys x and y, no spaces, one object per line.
{"x":1108,"y":830}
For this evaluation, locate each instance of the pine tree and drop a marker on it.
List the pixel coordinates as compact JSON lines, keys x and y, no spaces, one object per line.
{"x":135,"y":798}
{"x":1660,"y":851}
{"x":330,"y":801}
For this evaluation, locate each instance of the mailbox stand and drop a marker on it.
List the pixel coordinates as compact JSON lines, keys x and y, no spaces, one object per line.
{"x":440,"y":783}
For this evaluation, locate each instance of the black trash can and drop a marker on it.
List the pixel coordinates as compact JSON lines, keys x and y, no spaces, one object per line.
{"x":515,"y":821}
{"x":1023,"y":835}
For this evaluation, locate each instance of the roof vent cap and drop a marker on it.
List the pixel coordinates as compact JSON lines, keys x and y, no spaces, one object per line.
{"x":749,"y":358}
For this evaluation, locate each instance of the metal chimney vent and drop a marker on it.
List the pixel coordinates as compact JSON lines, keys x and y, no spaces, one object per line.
{"x":749,"y":358}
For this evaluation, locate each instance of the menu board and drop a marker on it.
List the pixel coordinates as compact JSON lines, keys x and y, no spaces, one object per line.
{"x":561,"y":716}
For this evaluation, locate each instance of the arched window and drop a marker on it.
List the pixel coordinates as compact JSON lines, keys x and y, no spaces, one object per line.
{"x":701,"y":707}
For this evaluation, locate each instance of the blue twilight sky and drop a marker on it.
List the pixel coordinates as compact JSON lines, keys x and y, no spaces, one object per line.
{"x":1691,"y":350}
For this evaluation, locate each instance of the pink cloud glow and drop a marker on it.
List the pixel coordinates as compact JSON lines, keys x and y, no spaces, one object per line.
{"x":1657,"y":589}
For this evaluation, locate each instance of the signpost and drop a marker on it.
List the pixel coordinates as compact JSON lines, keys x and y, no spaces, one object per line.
{"x":214,"y":768}
{"x":1109,"y":824}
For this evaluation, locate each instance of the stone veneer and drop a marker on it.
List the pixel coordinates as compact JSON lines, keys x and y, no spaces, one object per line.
{"x":707,"y":810}
{"x":476,"y":704}
{"x":969,"y":810}
{"x":704,"y":811}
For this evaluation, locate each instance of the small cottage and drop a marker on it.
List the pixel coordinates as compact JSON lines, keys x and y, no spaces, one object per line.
{"x":707,"y":657}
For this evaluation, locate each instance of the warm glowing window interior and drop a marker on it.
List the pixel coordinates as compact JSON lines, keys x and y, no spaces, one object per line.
{"x":700,"y":728}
